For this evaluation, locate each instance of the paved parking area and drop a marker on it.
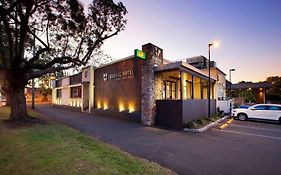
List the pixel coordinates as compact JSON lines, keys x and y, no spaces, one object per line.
{"x":263,"y":129}
{"x":244,"y":148}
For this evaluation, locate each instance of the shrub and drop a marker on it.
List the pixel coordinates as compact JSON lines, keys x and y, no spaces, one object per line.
{"x":195,"y":124}
{"x":191,"y":125}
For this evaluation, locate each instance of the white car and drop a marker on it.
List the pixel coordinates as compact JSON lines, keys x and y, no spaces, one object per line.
{"x":259,"y":111}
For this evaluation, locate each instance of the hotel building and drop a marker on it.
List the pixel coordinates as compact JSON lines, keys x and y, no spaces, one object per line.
{"x":144,"y":87}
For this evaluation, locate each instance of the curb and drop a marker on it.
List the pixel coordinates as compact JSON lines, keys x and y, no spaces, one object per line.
{"x":205,"y":127}
{"x":226,"y":124}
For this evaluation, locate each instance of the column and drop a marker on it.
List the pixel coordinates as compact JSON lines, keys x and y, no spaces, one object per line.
{"x":148,"y":103}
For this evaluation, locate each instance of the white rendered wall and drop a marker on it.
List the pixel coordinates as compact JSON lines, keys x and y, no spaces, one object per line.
{"x":65,"y":95}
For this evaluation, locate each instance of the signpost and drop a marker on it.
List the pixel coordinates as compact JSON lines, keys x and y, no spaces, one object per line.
{"x":140,"y":54}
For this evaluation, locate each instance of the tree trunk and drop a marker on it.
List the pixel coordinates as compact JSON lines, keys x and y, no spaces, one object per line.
{"x":18,"y":105}
{"x":8,"y":99}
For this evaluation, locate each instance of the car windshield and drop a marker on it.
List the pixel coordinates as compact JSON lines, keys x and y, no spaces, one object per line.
{"x":244,"y":107}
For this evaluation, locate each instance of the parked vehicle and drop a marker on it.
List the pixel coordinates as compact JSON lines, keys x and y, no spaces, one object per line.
{"x":259,"y":111}
{"x":244,"y":106}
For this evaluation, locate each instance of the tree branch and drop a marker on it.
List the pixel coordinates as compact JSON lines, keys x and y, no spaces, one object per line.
{"x":37,"y":56}
{"x":8,"y":32}
{"x":57,"y":60}
{"x":39,"y":73}
{"x":9,"y":10}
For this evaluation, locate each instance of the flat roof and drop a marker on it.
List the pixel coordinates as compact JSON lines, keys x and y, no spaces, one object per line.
{"x":251,"y":85}
{"x":180,"y":65}
{"x":116,"y":61}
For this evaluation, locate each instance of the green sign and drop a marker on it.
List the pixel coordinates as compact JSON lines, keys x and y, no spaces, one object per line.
{"x":140,"y":54}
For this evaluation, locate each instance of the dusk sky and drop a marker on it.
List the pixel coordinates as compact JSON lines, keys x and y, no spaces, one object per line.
{"x":249,"y":32}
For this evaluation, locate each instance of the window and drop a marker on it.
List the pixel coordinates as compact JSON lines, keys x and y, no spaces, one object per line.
{"x":275,"y":108}
{"x":170,"y":89}
{"x":173,"y":90}
{"x":75,"y":92}
{"x":188,"y":90}
{"x":58,"y":93}
{"x":261,"y":107}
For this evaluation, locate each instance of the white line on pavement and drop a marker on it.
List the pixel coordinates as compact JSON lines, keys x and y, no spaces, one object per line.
{"x":244,"y":133}
{"x":256,"y":128}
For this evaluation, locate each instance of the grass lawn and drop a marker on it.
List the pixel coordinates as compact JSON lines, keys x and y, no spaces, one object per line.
{"x":54,"y":148}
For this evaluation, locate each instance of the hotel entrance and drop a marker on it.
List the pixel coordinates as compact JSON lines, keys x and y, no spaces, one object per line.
{"x":184,"y":94}
{"x":184,"y":86}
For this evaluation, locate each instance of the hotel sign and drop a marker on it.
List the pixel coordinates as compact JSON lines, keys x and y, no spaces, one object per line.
{"x":140,"y":54}
{"x":118,"y":75}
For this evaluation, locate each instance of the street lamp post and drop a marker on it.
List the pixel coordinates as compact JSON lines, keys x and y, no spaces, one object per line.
{"x":230,"y":95}
{"x":213,"y":44}
{"x":209,"y":80}
{"x":230,"y":70}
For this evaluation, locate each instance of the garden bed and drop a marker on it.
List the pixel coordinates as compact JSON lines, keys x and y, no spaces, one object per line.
{"x":203,"y":124}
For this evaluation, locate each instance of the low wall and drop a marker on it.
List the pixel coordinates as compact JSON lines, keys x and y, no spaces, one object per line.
{"x":196,"y":109}
{"x":224,"y":105}
{"x":174,"y":113}
{"x":169,"y":113}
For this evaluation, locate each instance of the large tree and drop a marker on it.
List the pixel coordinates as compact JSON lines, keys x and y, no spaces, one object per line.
{"x":274,"y":93}
{"x":65,"y":35}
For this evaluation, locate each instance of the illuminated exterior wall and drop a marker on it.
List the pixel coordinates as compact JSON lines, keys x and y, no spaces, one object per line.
{"x":159,"y":90}
{"x":197,"y":88}
{"x":260,"y":95}
{"x":65,"y":95}
{"x":118,"y":86}
{"x":220,"y":85}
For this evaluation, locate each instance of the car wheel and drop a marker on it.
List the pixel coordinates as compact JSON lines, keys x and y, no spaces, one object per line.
{"x":242,"y":117}
{"x":280,"y":120}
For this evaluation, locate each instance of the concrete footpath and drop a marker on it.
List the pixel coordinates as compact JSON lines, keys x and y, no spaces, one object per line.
{"x":211,"y":152}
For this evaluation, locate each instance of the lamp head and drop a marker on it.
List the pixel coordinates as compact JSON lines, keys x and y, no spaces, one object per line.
{"x":214,"y":44}
{"x":231,"y":69}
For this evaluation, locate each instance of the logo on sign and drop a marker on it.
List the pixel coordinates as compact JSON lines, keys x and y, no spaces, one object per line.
{"x":105,"y":77}
{"x":140,"y":54}
{"x":118,"y":75}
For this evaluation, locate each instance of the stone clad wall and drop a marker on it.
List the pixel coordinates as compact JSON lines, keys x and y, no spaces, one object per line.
{"x":148,"y":92}
{"x":159,"y":87}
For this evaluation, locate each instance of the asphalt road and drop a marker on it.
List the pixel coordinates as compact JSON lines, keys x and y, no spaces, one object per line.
{"x":244,"y":148}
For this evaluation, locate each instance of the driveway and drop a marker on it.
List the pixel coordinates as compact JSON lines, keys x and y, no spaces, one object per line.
{"x":243,"y":148}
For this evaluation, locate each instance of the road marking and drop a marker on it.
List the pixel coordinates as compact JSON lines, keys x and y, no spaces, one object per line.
{"x":244,"y":133}
{"x":277,"y":130}
{"x":230,"y":121}
{"x":226,"y":124}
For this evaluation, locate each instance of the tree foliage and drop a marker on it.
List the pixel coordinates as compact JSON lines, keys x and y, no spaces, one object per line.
{"x":275,"y":92}
{"x":62,"y":32}
{"x":276,"y":83}
{"x":249,"y":95}
{"x":65,"y":34}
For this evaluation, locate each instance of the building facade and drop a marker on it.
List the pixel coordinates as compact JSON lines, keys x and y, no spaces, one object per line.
{"x":248,"y":92}
{"x":143,"y":87}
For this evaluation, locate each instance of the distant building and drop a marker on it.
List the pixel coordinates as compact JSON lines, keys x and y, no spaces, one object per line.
{"x":249,"y":92}
{"x":38,"y":95}
{"x":200,"y":62}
